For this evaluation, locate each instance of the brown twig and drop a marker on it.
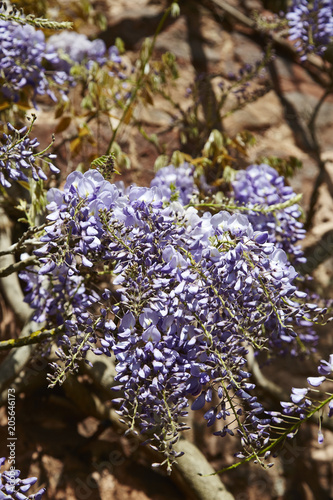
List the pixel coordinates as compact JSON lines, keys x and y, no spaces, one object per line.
{"x":17,"y":266}
{"x":321,"y":164}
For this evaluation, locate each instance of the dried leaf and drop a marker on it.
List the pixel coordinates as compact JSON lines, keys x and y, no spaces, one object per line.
{"x":59,"y":110}
{"x":75,"y":145}
{"x":63,"y":124}
{"x":128,"y":115}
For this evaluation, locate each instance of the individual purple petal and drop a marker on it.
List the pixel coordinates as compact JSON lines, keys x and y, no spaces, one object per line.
{"x":315,"y":381}
{"x":320,"y":437}
{"x":199,"y":402}
{"x":39,"y":494}
{"x":326,"y":367}
{"x":298,"y":394}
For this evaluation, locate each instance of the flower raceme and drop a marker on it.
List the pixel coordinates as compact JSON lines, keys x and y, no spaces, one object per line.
{"x":12,"y":487}
{"x":30,"y":66}
{"x":23,"y":59}
{"x":175,"y":296}
{"x":311,"y":24}
{"x":176,"y":183}
{"x":76,"y":48}
{"x":304,"y":400}
{"x":256,"y":186}
{"x":262,"y":185}
{"x":18,"y":158}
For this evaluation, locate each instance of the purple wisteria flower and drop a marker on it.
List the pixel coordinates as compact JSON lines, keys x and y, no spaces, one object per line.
{"x":176,"y":183}
{"x":326,"y":367}
{"x":14,"y":488}
{"x":186,"y":295}
{"x":303,"y":405}
{"x":22,"y":62}
{"x":114,"y":55}
{"x":311,"y":24}
{"x":262,"y":185}
{"x":18,"y":158}
{"x":76,"y":48}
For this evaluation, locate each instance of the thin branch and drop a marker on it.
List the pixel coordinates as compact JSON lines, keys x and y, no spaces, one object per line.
{"x":17,"y":15}
{"x":317,"y":253}
{"x":321,"y":164}
{"x":33,"y":338}
{"x":141,"y":78}
{"x":21,"y":246}
{"x":17,"y":266}
{"x":311,"y":123}
{"x":14,"y":363}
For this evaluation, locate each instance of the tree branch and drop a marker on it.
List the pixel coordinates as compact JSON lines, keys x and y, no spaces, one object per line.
{"x":14,"y":363}
{"x":17,"y":266}
{"x":33,"y":338}
{"x":10,"y":284}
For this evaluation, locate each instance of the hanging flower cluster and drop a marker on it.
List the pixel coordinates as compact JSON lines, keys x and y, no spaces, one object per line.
{"x":311,"y":24}
{"x":305,"y":401}
{"x":14,"y":488}
{"x":76,"y":48}
{"x":23,"y":58}
{"x":177,"y":297}
{"x":176,"y":183}
{"x":257,"y":189}
{"x":18,"y":157}
{"x":261,"y":185}
{"x":28,"y":64}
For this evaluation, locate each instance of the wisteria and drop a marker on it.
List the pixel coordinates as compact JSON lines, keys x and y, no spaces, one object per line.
{"x":261,"y":185}
{"x":257,"y":189}
{"x":31,"y":67}
{"x":176,"y":184}
{"x":305,"y":401}
{"x":311,"y":24}
{"x":76,"y":49}
{"x":19,"y":158}
{"x":22,"y":63}
{"x":187,"y":294}
{"x":73,"y":48}
{"x":14,"y":488}
{"x":182,"y":290}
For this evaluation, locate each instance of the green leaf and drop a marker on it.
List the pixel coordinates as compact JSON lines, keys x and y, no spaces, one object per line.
{"x":160,"y":162}
{"x":120,"y":45}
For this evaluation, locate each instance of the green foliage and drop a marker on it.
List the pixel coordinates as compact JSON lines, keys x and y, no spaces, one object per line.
{"x":161,"y":161}
{"x":33,"y":208}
